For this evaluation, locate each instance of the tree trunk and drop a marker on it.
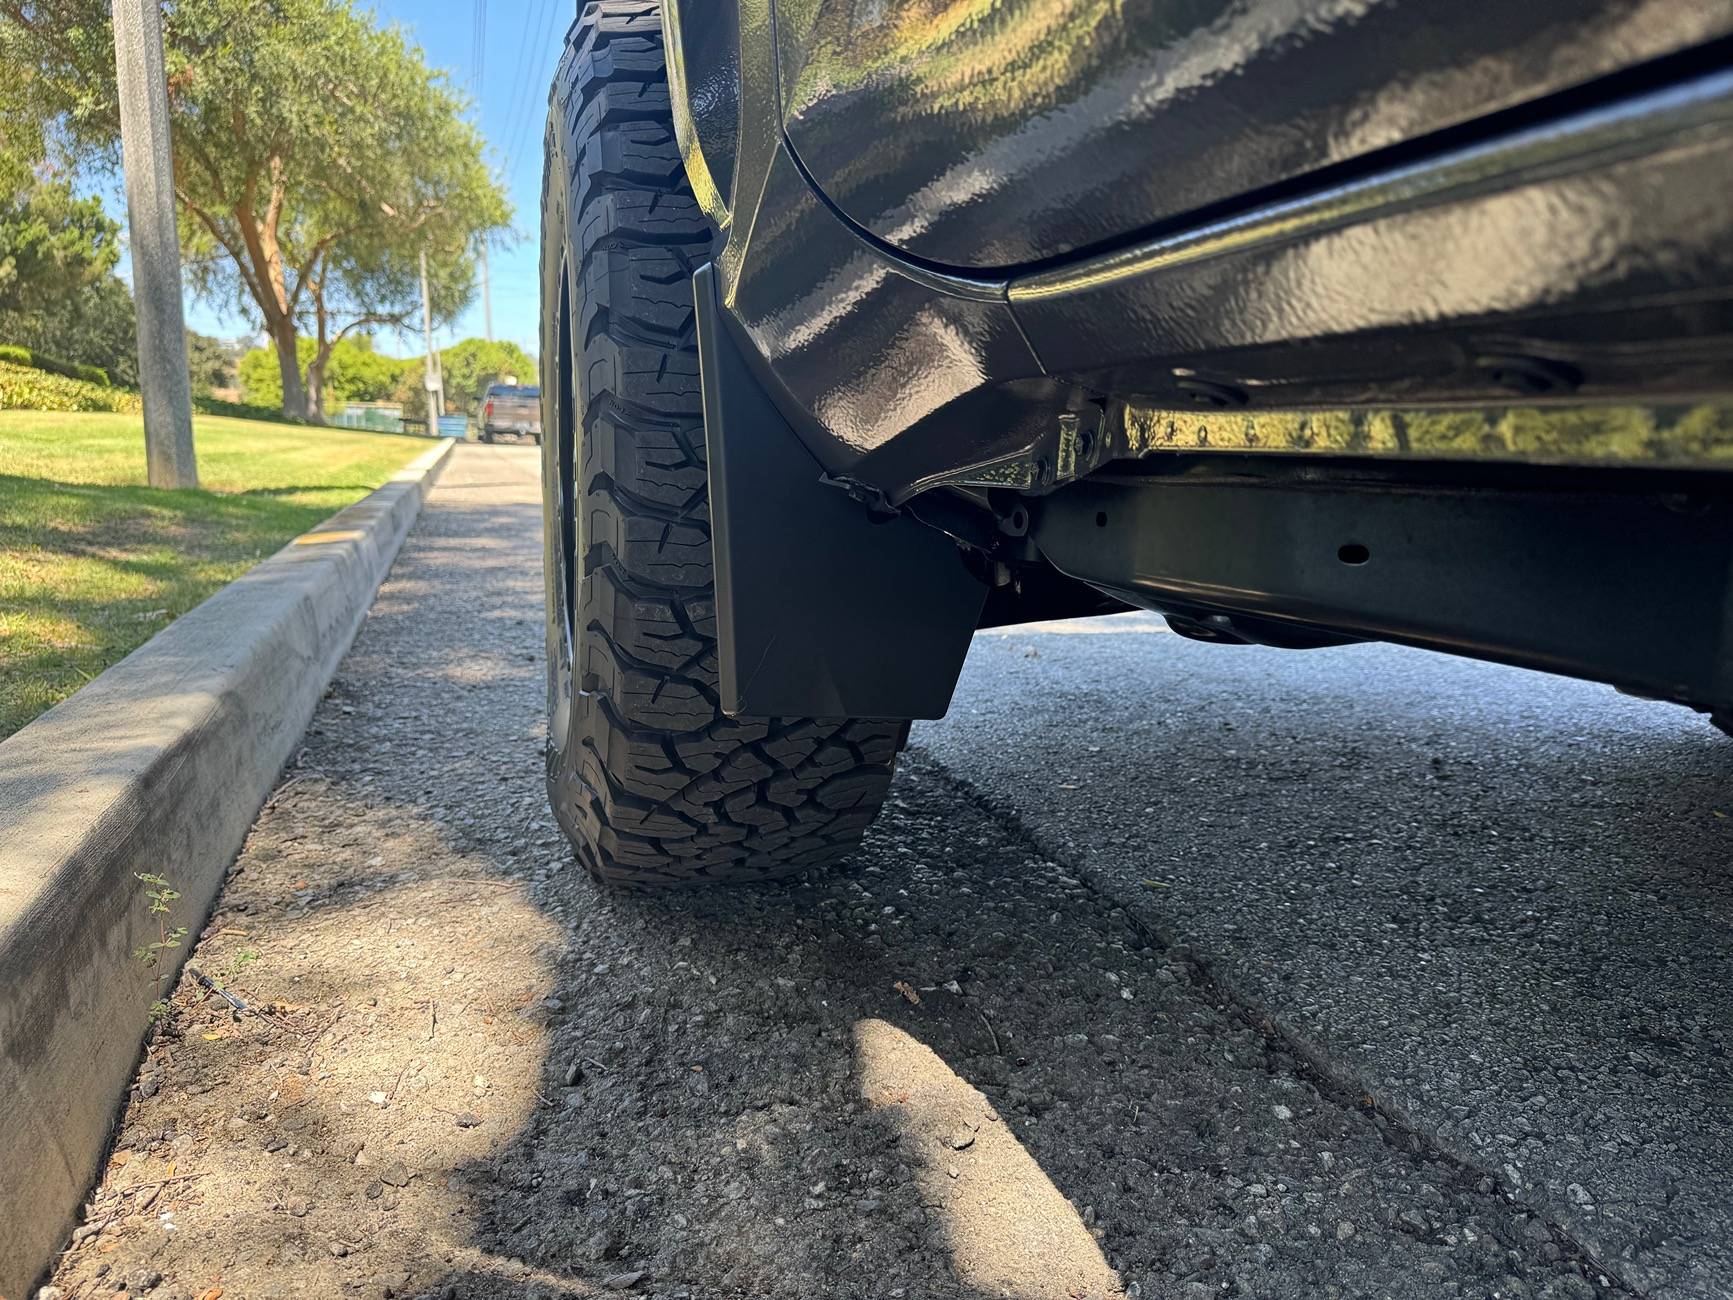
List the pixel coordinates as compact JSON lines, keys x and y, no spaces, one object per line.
{"x":267,"y":284}
{"x":316,"y":385}
{"x":321,"y":356}
{"x":283,"y":337}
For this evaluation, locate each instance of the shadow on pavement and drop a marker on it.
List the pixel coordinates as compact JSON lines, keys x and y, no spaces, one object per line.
{"x":950,"y":1069}
{"x":1498,"y":900}
{"x":759,"y":1104}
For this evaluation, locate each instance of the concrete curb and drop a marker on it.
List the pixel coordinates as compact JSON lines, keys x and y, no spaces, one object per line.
{"x":159,"y":765}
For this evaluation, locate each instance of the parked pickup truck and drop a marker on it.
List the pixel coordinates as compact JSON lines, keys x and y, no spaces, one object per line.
{"x":513,"y":409}
{"x":870,"y":324}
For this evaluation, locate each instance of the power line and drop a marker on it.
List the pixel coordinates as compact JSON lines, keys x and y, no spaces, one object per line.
{"x":536,"y":126}
{"x":532,"y":20}
{"x":524,"y":102}
{"x":478,"y":59}
{"x":522,"y":124}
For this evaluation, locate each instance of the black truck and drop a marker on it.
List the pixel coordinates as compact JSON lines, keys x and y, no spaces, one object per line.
{"x":870,"y":323}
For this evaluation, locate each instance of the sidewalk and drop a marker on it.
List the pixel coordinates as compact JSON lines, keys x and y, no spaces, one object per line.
{"x":379,"y":907}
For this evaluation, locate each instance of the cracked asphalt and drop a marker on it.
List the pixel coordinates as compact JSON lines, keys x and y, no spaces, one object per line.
{"x":1170,"y":970}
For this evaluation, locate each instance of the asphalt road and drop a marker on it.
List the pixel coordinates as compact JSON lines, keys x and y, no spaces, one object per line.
{"x":1498,"y":902}
{"x":1169,"y":971}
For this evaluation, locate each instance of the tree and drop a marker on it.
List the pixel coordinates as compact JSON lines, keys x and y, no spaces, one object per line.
{"x":210,"y":365}
{"x":95,"y":327}
{"x":24,"y":142}
{"x":368,"y":285}
{"x":354,"y":372}
{"x":470,"y":366}
{"x":316,"y":156}
{"x":58,"y":291}
{"x":53,"y":245}
{"x":260,"y":379}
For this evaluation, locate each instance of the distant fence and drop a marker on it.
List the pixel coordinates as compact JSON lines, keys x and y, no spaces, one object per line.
{"x":380,"y":419}
{"x":390,"y":419}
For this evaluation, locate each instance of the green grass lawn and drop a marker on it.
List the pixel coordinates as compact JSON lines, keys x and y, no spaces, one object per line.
{"x":93,"y":563}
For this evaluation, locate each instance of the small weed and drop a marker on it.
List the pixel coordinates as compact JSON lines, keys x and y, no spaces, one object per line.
{"x":238,"y":963}
{"x":160,"y":896}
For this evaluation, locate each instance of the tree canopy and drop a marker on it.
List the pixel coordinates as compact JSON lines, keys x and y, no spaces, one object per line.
{"x":52,"y":244}
{"x":358,"y":373}
{"x":211,"y":364}
{"x":354,"y":373}
{"x":59,"y":294}
{"x":317,"y":157}
{"x":470,"y":366}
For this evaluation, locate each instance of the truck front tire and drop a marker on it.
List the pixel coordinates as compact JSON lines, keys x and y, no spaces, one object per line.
{"x":652,"y":782}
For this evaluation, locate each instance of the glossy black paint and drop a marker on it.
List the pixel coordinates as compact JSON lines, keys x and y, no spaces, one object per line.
{"x":866,"y":345}
{"x":1598,"y":244}
{"x":882,"y":367}
{"x":1597,"y":238}
{"x":707,"y":55}
{"x":1576,"y":248}
{"x":992,"y":135}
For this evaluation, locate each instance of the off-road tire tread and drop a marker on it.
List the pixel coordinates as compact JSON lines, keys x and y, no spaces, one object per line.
{"x":656,"y":786}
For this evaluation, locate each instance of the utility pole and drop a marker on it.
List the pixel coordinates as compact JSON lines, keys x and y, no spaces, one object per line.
{"x":486,"y":295}
{"x":156,"y":253}
{"x":434,"y":383}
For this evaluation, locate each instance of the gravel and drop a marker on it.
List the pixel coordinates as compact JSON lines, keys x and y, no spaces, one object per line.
{"x":954,"y":1068}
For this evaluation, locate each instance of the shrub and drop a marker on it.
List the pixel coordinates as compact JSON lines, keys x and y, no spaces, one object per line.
{"x":239,"y":410}
{"x":54,"y":365}
{"x":37,"y":390}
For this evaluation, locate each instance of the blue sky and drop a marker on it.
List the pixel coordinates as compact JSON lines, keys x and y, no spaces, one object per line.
{"x":509,"y":90}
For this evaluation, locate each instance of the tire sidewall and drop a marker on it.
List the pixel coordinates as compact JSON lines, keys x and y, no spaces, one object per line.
{"x":557,"y":256}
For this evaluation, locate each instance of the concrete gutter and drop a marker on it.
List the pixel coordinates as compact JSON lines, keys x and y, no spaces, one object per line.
{"x":158,"y":766}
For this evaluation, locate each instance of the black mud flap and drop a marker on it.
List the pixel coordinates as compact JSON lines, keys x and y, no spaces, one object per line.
{"x":824,"y":608}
